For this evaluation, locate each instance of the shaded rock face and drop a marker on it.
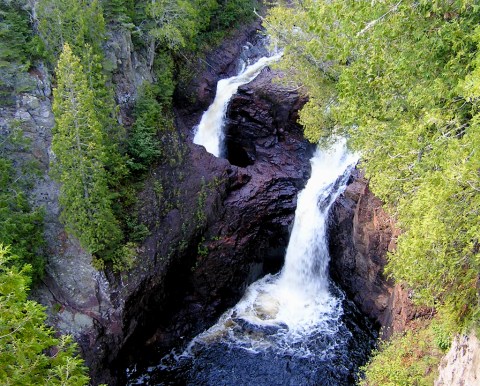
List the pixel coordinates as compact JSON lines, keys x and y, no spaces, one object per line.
{"x":239,"y":233}
{"x":130,"y":69}
{"x":461,"y":365}
{"x":76,"y":295}
{"x":215,"y":228}
{"x":195,"y":95}
{"x":80,"y":300}
{"x":361,"y":234}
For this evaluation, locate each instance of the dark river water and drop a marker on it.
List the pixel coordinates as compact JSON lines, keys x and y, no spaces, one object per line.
{"x":291,"y":328}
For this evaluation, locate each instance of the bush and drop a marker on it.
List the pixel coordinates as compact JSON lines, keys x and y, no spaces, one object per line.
{"x":30,"y":354}
{"x":404,"y":360}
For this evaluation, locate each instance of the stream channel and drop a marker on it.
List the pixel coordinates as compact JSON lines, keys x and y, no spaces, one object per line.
{"x":291,"y":328}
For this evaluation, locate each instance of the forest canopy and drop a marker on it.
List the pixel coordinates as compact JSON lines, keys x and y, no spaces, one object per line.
{"x":401,"y":79}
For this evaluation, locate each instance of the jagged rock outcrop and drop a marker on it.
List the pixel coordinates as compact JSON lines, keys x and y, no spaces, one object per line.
{"x":81,"y":300}
{"x":215,"y":227}
{"x":361,"y":234}
{"x":247,"y":212}
{"x":461,"y":365}
{"x":197,"y":92}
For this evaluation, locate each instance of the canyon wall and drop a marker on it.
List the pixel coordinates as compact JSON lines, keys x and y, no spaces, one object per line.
{"x":361,"y":235}
{"x":215,"y":225}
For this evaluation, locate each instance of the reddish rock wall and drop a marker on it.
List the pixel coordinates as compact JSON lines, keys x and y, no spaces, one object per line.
{"x":361,"y":235}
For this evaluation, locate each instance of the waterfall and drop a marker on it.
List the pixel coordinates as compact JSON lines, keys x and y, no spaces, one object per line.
{"x":209,"y":132}
{"x":289,"y":328}
{"x":297,"y":301}
{"x":302,"y":286}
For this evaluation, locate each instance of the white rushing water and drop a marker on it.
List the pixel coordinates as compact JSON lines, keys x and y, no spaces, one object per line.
{"x":282,"y":310}
{"x":209,"y":132}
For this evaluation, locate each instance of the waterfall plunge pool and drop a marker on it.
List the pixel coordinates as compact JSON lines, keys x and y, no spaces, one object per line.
{"x":292,"y":328}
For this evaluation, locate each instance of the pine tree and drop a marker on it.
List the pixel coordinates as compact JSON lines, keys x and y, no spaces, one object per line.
{"x":76,"y":22}
{"x":30,"y":354}
{"x":80,"y":158}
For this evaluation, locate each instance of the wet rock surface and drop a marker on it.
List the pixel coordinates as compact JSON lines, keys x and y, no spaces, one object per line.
{"x":247,"y":211}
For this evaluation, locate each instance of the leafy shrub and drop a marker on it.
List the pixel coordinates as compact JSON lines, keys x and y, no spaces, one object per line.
{"x":404,"y":360}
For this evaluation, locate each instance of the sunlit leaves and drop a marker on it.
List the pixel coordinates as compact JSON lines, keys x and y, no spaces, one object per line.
{"x":177,"y":22}
{"x":80,"y":159}
{"x":401,"y":79}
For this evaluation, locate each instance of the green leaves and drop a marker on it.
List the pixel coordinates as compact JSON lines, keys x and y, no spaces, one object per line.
{"x":77,"y":23}
{"x":80,"y":158}
{"x":400,"y":79}
{"x":30,"y":354}
{"x":175,"y":23}
{"x":405,"y":360}
{"x":20,"y":225}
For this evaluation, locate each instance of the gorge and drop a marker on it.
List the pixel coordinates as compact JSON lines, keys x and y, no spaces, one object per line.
{"x":214,"y":277}
{"x":286,"y":320}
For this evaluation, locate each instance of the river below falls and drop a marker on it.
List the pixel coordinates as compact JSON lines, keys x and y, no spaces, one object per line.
{"x":292,"y":328}
{"x":334,"y":359}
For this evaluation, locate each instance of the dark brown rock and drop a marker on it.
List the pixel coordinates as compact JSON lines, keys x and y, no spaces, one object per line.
{"x":361,"y":234}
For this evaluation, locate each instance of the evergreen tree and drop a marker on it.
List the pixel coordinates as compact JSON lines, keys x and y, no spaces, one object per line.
{"x":30,"y":354}
{"x":401,"y":80}
{"x":76,"y":22}
{"x":20,"y":226}
{"x":175,"y":23}
{"x":80,"y":158}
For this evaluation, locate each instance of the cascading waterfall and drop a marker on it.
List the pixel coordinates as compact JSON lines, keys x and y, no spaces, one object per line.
{"x":289,"y":328}
{"x":209,"y":132}
{"x":296,"y":302}
{"x":294,"y":327}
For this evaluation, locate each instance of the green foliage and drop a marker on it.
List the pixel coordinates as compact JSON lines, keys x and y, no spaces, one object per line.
{"x":202,"y":248}
{"x":230,"y":13}
{"x":74,"y":22}
{"x":143,"y":142}
{"x":30,"y":354}
{"x":80,"y":159}
{"x":119,"y":11}
{"x":200,"y":216}
{"x":125,"y":258}
{"x":174,"y":24}
{"x":401,"y":80}
{"x":441,"y":335}
{"x":19,"y":47}
{"x":17,"y":41}
{"x":405,"y":360}
{"x":20,"y":225}
{"x":150,"y":136}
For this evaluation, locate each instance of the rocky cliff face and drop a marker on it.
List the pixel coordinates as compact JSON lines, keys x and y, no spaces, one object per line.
{"x":215,"y":225}
{"x":361,"y":235}
{"x":237,"y":233}
{"x":461,"y":365}
{"x":80,"y":300}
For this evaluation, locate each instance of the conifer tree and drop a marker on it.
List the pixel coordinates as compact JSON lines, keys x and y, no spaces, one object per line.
{"x":76,"y":22}
{"x":80,"y":157}
{"x":400,"y":79}
{"x":30,"y":354}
